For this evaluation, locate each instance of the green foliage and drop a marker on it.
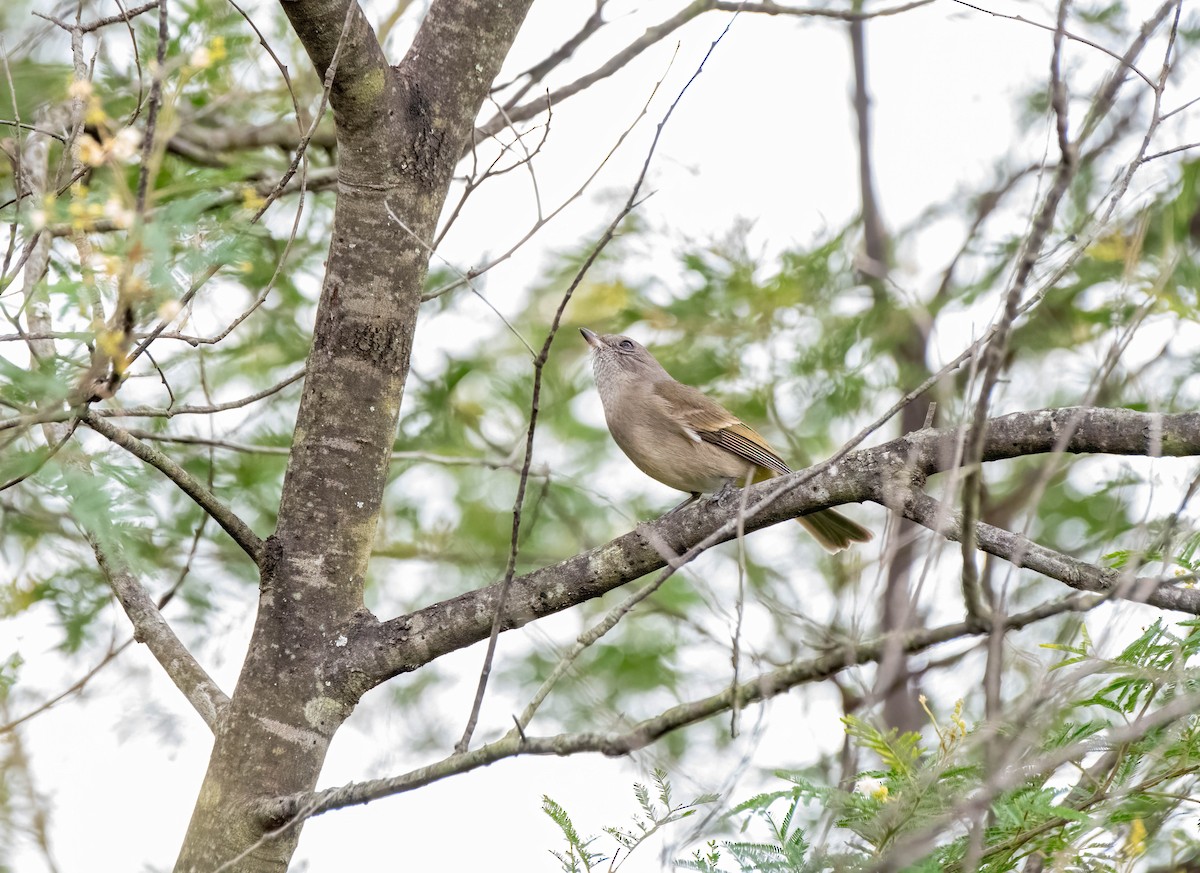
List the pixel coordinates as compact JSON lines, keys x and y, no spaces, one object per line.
{"x":898,"y":751}
{"x":579,"y":858}
{"x":9,"y":669}
{"x":197,"y":220}
{"x":1131,"y":803}
{"x":799,"y":342}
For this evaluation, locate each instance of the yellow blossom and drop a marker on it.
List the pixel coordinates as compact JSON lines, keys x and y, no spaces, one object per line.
{"x":91,"y":152}
{"x":1135,"y":841}
{"x":252,"y":201}
{"x":79,"y":89}
{"x":125,"y":144}
{"x":95,"y":115}
{"x":216,"y":48}
{"x":872,"y":787}
{"x":201,"y":58}
{"x":957,"y":718}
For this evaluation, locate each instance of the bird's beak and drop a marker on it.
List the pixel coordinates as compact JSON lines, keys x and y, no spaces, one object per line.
{"x":590,"y":336}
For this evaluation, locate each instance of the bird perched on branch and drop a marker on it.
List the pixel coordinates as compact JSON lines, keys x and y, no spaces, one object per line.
{"x":684,"y":439}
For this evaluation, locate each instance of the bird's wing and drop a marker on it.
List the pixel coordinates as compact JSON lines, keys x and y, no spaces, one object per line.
{"x":702,"y":418}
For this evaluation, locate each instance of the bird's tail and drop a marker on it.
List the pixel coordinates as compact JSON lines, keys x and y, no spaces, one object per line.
{"x":833,"y":530}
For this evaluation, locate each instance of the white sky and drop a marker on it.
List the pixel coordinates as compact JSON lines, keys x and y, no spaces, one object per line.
{"x":766,"y":134}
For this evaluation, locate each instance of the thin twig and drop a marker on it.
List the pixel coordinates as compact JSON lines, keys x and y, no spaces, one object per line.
{"x":539,"y":364}
{"x":287,"y":811}
{"x":114,"y":651}
{"x":658,"y":32}
{"x":232,"y":524}
{"x":1060,"y":32}
{"x":124,"y":18}
{"x":475,"y":272}
{"x":152,"y":629}
{"x":53,"y":415}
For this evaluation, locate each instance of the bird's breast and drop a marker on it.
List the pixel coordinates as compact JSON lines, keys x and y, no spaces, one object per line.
{"x":663,"y":450}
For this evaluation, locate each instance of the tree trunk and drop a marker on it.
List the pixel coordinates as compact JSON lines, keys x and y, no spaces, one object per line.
{"x":400,"y":133}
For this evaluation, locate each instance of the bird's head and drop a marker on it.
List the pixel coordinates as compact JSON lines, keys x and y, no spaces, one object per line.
{"x":618,"y":357}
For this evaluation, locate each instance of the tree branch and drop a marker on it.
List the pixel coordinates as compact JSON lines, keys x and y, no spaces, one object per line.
{"x":151,"y":628}
{"x":884,"y":474}
{"x":327,"y":28}
{"x":63,"y":414}
{"x":100,"y":22}
{"x":660,"y":31}
{"x":1023,"y":552}
{"x":284,"y":811}
{"x":188,"y":484}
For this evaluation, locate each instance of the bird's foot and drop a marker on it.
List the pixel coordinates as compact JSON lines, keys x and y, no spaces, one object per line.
{"x":725,"y":495}
{"x":692,"y":498}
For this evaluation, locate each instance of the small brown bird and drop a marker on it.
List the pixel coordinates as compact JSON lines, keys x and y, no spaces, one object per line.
{"x":677,"y":435}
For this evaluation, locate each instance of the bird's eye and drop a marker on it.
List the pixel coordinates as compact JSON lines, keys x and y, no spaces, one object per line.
{"x":626,"y":344}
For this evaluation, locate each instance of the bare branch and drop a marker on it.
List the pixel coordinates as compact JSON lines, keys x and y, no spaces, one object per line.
{"x":232,"y":524}
{"x":377,"y":651}
{"x":539,"y":365}
{"x":660,"y":31}
{"x":152,"y":629}
{"x":100,"y":22}
{"x":1023,"y":552}
{"x":283,"y":811}
{"x":1171,"y":151}
{"x":1074,"y":37}
{"x":114,"y":651}
{"x":283,"y":451}
{"x":33,"y":128}
{"x":153,"y":411}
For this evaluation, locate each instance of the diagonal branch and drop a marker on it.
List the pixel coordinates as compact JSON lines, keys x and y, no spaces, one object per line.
{"x":379,"y":650}
{"x":1057,"y":29}
{"x":1023,"y":552}
{"x":661,"y":31}
{"x":114,"y":650}
{"x":539,"y":365}
{"x":284,"y":811}
{"x":188,"y":484}
{"x":151,"y":628}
